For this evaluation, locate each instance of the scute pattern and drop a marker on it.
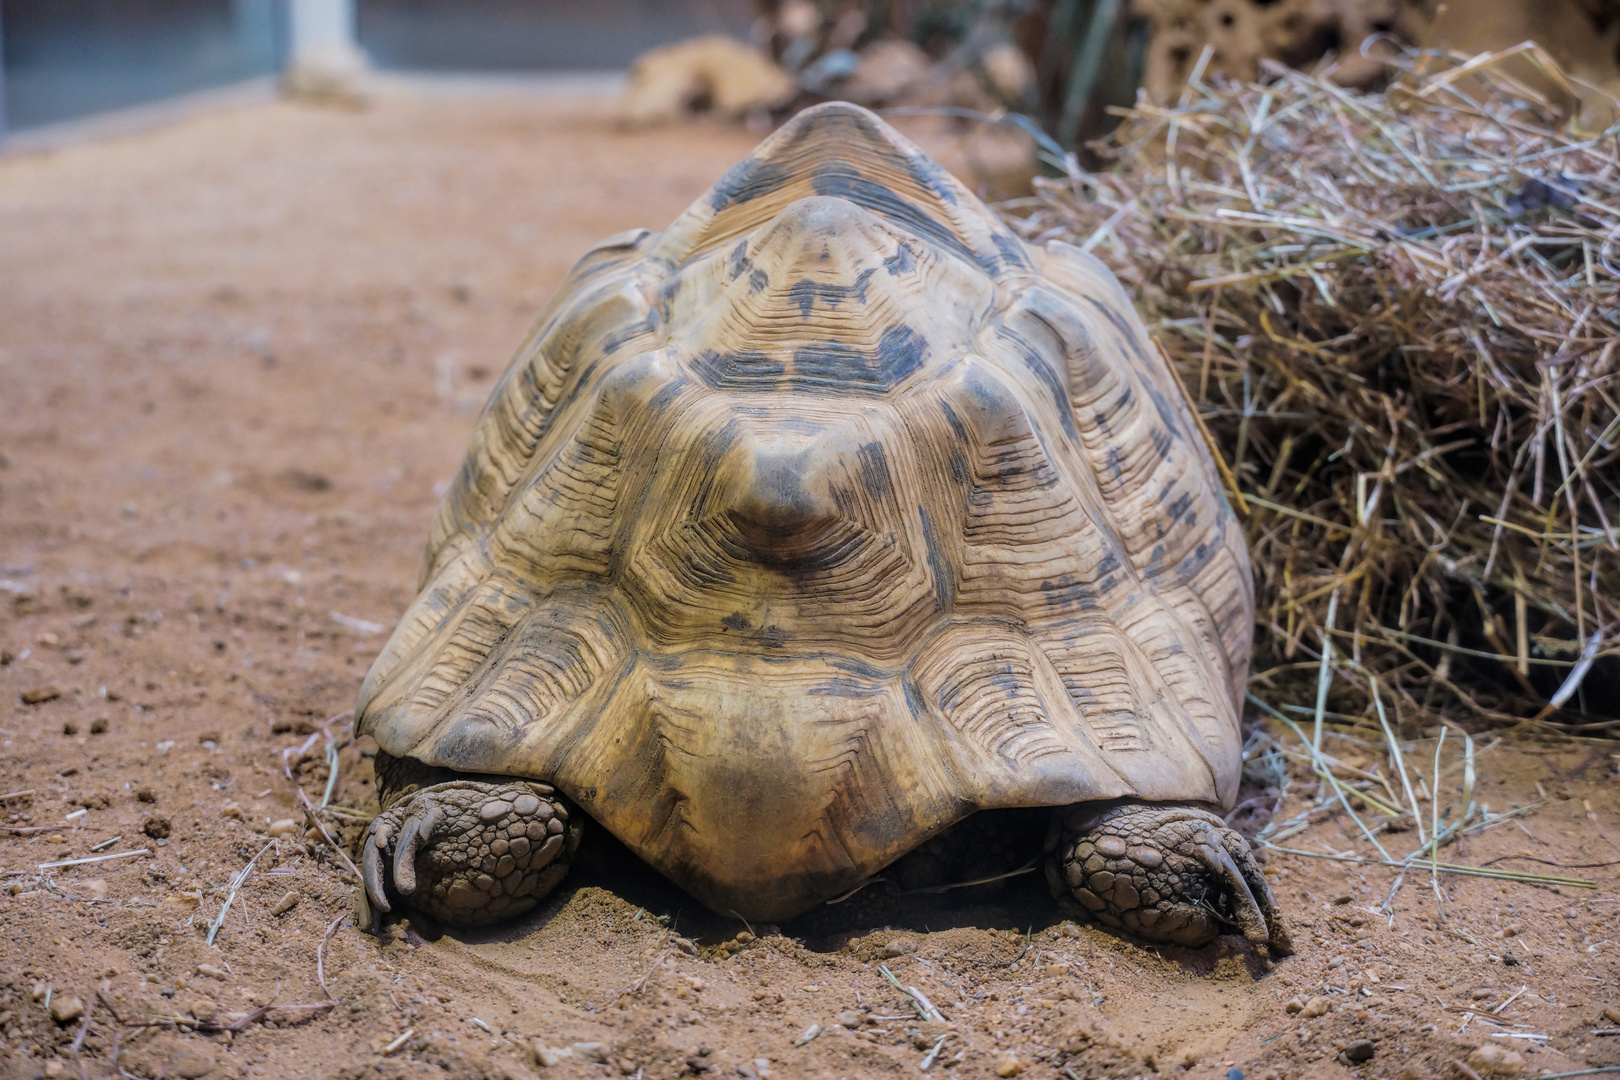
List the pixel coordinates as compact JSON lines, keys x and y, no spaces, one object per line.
{"x":831,"y":514}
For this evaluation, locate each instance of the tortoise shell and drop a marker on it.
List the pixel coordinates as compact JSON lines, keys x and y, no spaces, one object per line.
{"x":821,"y":520}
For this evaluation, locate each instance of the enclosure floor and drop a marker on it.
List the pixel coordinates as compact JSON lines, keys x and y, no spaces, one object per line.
{"x":238,"y":359}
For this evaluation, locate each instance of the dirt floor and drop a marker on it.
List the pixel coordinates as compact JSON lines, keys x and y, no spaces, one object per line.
{"x":239,"y":359}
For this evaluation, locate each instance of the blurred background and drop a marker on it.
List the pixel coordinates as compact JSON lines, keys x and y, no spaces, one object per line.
{"x":1062,"y":64}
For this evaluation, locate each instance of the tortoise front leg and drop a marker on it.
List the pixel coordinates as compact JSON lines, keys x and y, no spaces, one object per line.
{"x":1174,"y":874}
{"x":469,"y":852}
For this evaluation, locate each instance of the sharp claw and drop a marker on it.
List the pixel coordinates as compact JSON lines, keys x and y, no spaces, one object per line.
{"x":371,"y":870}
{"x":418,"y":827}
{"x":1247,"y":913}
{"x":1278,"y":941}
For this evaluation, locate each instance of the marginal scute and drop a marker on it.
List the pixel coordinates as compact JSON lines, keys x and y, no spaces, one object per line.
{"x":826,"y":517}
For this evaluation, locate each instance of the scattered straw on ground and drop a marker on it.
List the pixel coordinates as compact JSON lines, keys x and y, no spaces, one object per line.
{"x":1397,"y":313}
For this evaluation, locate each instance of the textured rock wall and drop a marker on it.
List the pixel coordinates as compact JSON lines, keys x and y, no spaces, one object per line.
{"x":1582,"y":35}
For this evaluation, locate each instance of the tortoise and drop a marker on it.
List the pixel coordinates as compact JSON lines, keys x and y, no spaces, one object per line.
{"x":795,"y":534}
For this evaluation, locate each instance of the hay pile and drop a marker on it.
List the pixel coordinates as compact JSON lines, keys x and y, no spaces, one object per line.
{"x":1397,"y":313}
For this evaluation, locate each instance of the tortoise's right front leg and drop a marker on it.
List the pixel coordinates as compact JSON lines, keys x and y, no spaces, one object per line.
{"x":1175,"y":874}
{"x":469,"y":852}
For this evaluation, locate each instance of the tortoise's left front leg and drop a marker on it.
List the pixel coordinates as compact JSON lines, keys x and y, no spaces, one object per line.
{"x":469,"y":852}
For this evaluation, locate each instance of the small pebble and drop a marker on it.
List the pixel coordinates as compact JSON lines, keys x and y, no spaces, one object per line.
{"x":1294,"y":1005}
{"x":41,"y":694}
{"x":1317,"y":1006}
{"x":809,"y":1033}
{"x":1359,"y":1051}
{"x":284,"y":827}
{"x":1007,"y":1063}
{"x":287,"y":903}
{"x":212,"y":972}
{"x":65,"y":1010}
{"x":1612,"y":1015}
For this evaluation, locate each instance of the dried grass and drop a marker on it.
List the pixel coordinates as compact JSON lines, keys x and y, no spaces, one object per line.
{"x":1397,"y":314}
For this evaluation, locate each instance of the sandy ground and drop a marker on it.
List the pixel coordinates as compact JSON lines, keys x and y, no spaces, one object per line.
{"x":238,"y":359}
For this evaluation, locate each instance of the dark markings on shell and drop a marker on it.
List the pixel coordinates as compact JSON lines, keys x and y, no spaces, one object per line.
{"x":1127,"y":336}
{"x":666,"y":395}
{"x":931,"y":175}
{"x":874,"y":471}
{"x":758,"y":280}
{"x":739,"y":263}
{"x":901,"y":262}
{"x":1012,"y":252}
{"x":616,"y":340}
{"x":1111,"y":458}
{"x":1042,"y":370}
{"x":844,"y":181}
{"x":1180,"y":506}
{"x":839,"y":686}
{"x":749,"y":179}
{"x":1167,"y":415}
{"x":916,"y":704}
{"x":805,"y":294}
{"x":944,"y":579}
{"x":832,"y":367}
{"x":749,"y":369}
{"x":1065,"y":592}
{"x":835,"y":367}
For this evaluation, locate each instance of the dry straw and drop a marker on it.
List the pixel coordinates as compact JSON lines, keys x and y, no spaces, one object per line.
{"x":1397,"y":315}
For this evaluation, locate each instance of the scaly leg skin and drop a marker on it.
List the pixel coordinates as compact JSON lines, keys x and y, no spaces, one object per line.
{"x":469,"y":852}
{"x":1174,"y":874}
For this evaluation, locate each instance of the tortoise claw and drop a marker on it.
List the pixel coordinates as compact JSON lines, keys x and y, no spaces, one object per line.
{"x":1245,"y":910}
{"x":418,"y":830}
{"x":371,"y":864}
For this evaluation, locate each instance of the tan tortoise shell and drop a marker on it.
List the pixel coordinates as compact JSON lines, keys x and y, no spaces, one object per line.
{"x":823,"y":519}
